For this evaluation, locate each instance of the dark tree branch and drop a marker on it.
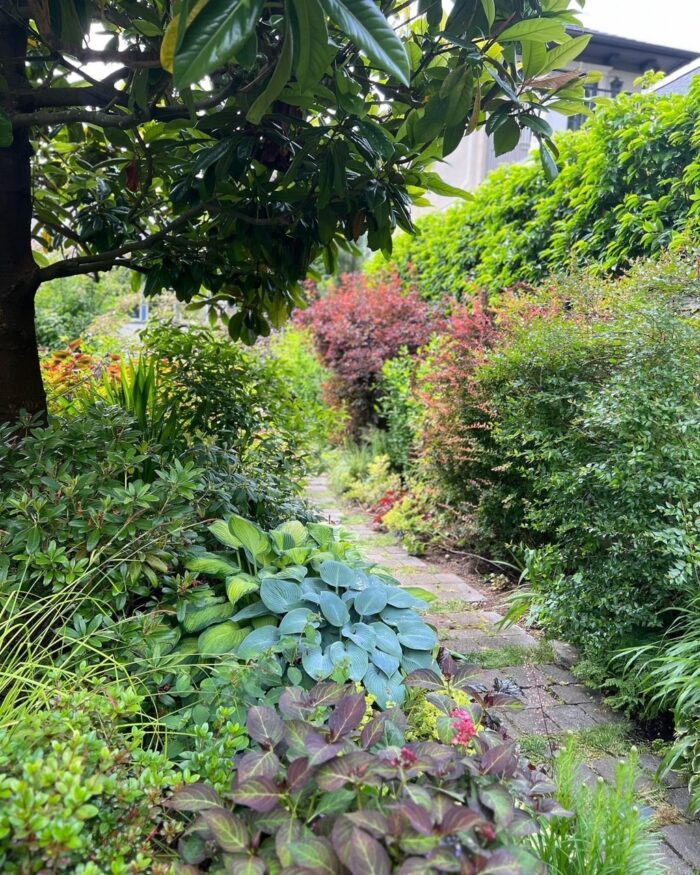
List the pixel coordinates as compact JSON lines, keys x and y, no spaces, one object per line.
{"x":102,"y":261}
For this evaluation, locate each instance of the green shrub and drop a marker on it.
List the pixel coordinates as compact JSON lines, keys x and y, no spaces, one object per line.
{"x":325,"y":789}
{"x":400,"y":409}
{"x":625,"y":190}
{"x":78,"y":790}
{"x":607,"y":833}
{"x":298,"y":365}
{"x":618,"y":487}
{"x":65,"y":308}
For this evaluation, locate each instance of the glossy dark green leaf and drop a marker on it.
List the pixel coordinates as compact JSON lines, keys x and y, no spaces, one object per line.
{"x":219,"y":30}
{"x":279,"y":78}
{"x":367,"y":27}
{"x":312,"y":52}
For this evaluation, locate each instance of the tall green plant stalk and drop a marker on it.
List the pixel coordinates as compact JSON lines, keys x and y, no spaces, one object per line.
{"x":607,"y":833}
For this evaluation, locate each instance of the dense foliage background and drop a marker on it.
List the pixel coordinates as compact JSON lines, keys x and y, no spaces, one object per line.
{"x":627,"y":189}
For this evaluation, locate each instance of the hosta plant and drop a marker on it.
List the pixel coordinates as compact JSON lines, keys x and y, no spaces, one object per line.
{"x":324,"y":791}
{"x":306,"y":595}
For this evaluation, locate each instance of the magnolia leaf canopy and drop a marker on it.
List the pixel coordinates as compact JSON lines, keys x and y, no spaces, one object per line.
{"x":219,"y":147}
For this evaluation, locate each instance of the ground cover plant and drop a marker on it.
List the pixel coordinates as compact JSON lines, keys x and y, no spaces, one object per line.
{"x":325,"y":789}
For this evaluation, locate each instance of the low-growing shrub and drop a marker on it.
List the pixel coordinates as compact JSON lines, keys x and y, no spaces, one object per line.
{"x":400,"y":409}
{"x":79,"y":791}
{"x":324,"y":788}
{"x":359,"y":326}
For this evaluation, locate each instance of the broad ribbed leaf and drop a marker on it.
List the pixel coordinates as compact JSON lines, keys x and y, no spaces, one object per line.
{"x":371,"y":601}
{"x":258,"y":609}
{"x":315,"y":854}
{"x":395,"y":616}
{"x":238,"y":864}
{"x":280,"y":596}
{"x":259,"y":641}
{"x":417,"y":637}
{"x":255,"y":764}
{"x":367,"y":27}
{"x":500,"y":761}
{"x":385,"y":662}
{"x":240,"y":585}
{"x":194,"y":797}
{"x":498,"y":799}
{"x":347,"y":715}
{"x":336,"y":574}
{"x":260,"y":794}
{"x":210,"y":563}
{"x":217,"y":32}
{"x":264,"y":725}
{"x":229,"y":831}
{"x":362,"y":635}
{"x":334,"y":609}
{"x":413,"y":660}
{"x":222,"y":533}
{"x":367,"y":856}
{"x":386,"y":639}
{"x":374,"y":822}
{"x":296,"y":621}
{"x":317,"y":664}
{"x":401,"y":598}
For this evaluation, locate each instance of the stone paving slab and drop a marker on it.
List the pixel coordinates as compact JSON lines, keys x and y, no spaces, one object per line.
{"x":553,"y":700}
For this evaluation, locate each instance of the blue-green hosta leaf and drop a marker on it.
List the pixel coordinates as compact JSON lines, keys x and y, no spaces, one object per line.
{"x":384,"y":689}
{"x":354,"y":658}
{"x":317,"y":664}
{"x":240,"y":585}
{"x":386,"y":639}
{"x":257,"y":609}
{"x":258,"y":642}
{"x":334,"y":609}
{"x":296,"y":621}
{"x":396,"y":616}
{"x":384,"y":661}
{"x":336,"y":574}
{"x":401,"y":598}
{"x":250,"y":536}
{"x":219,"y":30}
{"x":417,"y":637}
{"x":280,"y":596}
{"x":371,"y":601}
{"x":362,"y":635}
{"x":291,"y":572}
{"x":412,"y":660}
{"x":366,"y":25}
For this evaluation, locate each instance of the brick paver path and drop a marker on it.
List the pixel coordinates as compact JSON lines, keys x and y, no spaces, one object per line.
{"x":554,"y":702}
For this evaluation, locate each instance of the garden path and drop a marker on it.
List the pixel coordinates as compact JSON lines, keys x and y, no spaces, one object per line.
{"x":554,"y":702}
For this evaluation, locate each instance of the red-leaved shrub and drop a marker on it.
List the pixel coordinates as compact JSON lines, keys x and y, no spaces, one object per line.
{"x":359,"y":325}
{"x":457,"y":418}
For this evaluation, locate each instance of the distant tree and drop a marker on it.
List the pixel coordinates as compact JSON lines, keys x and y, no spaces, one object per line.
{"x":218,"y":147}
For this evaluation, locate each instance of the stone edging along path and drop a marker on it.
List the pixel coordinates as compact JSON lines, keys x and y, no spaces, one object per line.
{"x":554,"y":702}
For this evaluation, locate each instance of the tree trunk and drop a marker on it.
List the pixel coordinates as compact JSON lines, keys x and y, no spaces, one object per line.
{"x":21,"y":386}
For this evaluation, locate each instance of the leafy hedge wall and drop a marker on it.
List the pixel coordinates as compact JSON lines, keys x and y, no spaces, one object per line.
{"x":629,"y":184}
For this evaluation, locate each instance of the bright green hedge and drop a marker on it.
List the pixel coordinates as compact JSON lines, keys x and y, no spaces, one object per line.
{"x":629,"y":183}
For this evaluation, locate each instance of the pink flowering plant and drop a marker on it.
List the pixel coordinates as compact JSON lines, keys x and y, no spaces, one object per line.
{"x":324,"y":790}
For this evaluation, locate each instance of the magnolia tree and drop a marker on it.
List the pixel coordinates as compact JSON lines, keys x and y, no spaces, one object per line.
{"x":218,"y":147}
